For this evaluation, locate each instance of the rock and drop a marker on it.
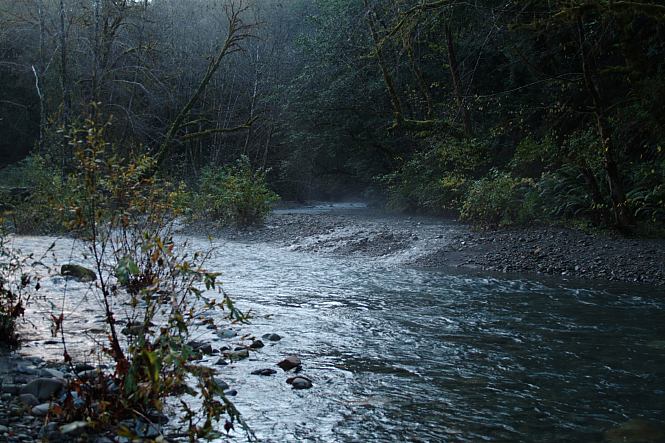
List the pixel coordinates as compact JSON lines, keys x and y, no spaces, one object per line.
{"x":289,"y":363}
{"x":43,"y":388}
{"x":83,"y":367}
{"x":49,"y":430}
{"x":3,"y":429}
{"x":221,"y":362}
{"x":226,"y":333}
{"x":141,"y":428}
{"x":264,"y":372}
{"x":231,"y":393}
{"x":74,"y":427}
{"x":41,"y":410}
{"x":11,"y":388}
{"x":90,"y":374}
{"x":78,"y":272}
{"x":203,"y":348}
{"x":238,"y":355}
{"x":256,"y":344}
{"x":271,"y":337}
{"x":53,"y":373}
{"x":157,"y":417}
{"x":133,"y":330}
{"x":636,"y":431}
{"x":221,"y":384}
{"x":29,"y":400}
{"x":300,"y":382}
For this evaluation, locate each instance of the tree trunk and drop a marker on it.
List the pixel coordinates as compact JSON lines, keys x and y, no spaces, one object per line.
{"x":455,"y":75}
{"x":66,"y":96}
{"x":395,"y":101}
{"x":622,"y":216}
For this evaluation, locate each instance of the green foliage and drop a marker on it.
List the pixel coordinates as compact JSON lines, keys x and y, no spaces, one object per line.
{"x":32,"y":193}
{"x":564,"y":194}
{"x":647,"y":196}
{"x":533,"y":156}
{"x":235,"y":194}
{"x":437,"y":179}
{"x":499,"y":199}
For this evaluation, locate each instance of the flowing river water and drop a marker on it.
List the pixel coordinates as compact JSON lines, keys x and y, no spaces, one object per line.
{"x":400,"y":354}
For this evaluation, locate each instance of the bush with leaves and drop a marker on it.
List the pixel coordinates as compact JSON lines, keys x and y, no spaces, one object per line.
{"x":499,"y":199}
{"x":125,"y":215}
{"x":16,"y":287}
{"x":31,"y":192}
{"x":436,"y":180}
{"x":236,"y":194}
{"x":647,"y":195}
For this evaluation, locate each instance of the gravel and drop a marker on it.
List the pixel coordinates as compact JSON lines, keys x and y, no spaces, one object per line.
{"x":428,"y":242}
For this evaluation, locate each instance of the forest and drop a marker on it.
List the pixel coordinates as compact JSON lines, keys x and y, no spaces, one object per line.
{"x":503,"y":112}
{"x":452,"y":211}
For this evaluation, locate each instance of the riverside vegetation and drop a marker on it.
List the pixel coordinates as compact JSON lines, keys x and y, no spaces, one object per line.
{"x":125,"y":215}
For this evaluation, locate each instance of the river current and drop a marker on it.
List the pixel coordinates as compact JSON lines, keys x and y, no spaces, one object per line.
{"x":400,"y":354}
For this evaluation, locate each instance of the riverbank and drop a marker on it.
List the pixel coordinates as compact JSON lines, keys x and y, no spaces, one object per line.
{"x":428,"y":242}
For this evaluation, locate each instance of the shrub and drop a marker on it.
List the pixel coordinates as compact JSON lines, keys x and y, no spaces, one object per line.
{"x":564,"y":194}
{"x":647,"y":196}
{"x":499,"y":199}
{"x":436,"y":179}
{"x":31,"y":192}
{"x":125,"y":215}
{"x":235,"y":194}
{"x":15,"y":287}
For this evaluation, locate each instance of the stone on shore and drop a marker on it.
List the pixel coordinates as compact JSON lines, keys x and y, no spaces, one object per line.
{"x":41,"y":410}
{"x":43,"y":388}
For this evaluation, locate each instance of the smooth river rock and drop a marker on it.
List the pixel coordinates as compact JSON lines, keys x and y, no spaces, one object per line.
{"x":44,"y":388}
{"x":41,"y":410}
{"x":78,"y":272}
{"x":300,"y":382}
{"x":289,"y":363}
{"x":271,"y":337}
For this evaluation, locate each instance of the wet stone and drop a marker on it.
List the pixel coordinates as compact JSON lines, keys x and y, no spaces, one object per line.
{"x":300,"y":382}
{"x":238,"y":355}
{"x":257,"y":344}
{"x":264,"y":372}
{"x":271,"y":337}
{"x":289,"y":363}
{"x":221,"y":384}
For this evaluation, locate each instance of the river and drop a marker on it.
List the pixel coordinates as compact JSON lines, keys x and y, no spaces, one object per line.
{"x":402,"y":354}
